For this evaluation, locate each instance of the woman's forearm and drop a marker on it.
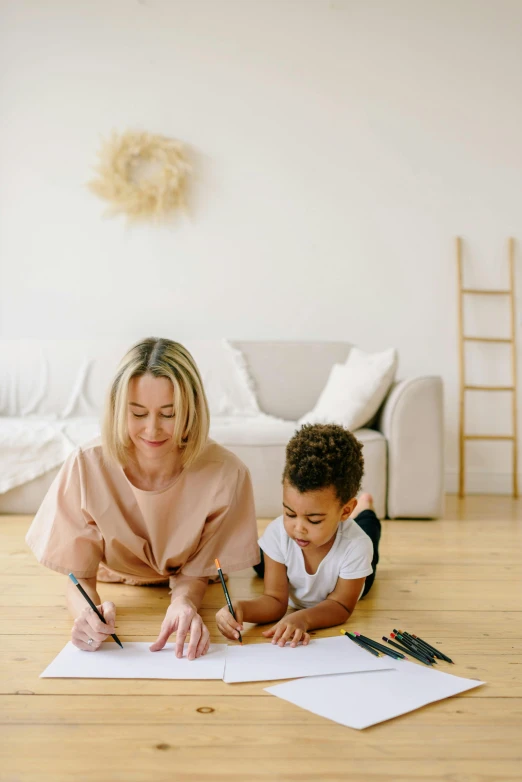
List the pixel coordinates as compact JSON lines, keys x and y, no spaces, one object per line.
{"x":263,"y":609}
{"x":188,"y":588}
{"x":75,"y":600}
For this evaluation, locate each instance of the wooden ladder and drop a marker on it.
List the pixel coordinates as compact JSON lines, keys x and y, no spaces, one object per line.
{"x":464,"y":387}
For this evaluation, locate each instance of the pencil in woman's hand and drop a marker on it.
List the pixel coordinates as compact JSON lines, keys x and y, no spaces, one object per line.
{"x":227,"y":596}
{"x":86,"y":596}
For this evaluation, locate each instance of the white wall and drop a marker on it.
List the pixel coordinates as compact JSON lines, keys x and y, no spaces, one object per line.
{"x":339,"y":147}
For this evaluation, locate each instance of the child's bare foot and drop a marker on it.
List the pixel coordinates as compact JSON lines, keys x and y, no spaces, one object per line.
{"x":364,"y":502}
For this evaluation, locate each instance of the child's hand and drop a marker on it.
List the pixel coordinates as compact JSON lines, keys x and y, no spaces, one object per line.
{"x":227,"y":625}
{"x":291,"y":628}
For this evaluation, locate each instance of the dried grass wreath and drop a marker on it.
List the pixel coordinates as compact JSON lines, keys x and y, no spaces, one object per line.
{"x":142,"y":175}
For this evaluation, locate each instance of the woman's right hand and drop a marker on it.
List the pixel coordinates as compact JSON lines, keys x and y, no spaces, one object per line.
{"x":88,"y":626}
{"x":227,"y":625}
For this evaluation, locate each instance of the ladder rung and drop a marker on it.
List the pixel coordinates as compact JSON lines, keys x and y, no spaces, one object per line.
{"x":489,"y":388}
{"x":488,"y":437}
{"x":488,"y":339}
{"x":484,"y":292}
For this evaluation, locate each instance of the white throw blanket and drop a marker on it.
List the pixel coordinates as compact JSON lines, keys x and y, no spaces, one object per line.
{"x":30,"y":447}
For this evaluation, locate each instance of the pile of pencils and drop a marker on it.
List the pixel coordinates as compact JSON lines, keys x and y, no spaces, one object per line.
{"x":398,"y":645}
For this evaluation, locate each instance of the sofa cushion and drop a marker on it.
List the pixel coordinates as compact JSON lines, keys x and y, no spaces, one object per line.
{"x":289,"y":376}
{"x":355,"y":390}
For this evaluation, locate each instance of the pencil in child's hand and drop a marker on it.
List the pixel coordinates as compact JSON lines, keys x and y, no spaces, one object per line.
{"x":227,"y":596}
{"x":86,"y":596}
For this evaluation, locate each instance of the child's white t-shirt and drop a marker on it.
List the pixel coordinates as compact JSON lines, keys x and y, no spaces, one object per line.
{"x":350,"y":557}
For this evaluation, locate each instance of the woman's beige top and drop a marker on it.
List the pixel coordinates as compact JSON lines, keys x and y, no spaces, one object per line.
{"x":94,"y":522}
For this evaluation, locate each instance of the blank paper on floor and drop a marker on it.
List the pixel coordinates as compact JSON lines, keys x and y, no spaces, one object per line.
{"x":135,"y":661}
{"x":363,"y":699}
{"x":267,"y":661}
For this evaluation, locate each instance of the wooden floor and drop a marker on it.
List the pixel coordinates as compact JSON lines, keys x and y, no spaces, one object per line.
{"x":457,"y":582}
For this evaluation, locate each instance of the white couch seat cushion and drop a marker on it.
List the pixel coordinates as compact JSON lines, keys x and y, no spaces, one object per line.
{"x":256,"y":430}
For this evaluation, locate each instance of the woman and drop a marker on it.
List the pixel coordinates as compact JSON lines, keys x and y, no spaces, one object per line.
{"x":155,"y":500}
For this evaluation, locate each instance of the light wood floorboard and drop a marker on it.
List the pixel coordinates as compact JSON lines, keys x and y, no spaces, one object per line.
{"x":457,"y":581}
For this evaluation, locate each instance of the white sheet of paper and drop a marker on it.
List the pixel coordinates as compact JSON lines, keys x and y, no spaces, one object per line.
{"x":267,"y":661}
{"x":135,"y":661}
{"x":363,"y":699}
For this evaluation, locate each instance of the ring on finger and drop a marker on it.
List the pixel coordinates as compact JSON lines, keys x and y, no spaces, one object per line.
{"x":90,"y":642}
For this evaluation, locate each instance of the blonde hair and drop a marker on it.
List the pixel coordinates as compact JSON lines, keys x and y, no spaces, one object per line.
{"x":160,"y":358}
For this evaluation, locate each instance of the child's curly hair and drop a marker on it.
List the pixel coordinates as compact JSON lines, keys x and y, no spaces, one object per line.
{"x":322,"y":455}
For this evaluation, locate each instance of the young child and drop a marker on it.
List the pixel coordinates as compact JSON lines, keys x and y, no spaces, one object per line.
{"x":317,"y":558}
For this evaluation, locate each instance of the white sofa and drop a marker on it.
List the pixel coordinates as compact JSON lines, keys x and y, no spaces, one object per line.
{"x":51,"y":394}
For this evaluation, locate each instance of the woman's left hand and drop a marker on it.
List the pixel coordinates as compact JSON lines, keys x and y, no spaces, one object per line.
{"x":182,"y":618}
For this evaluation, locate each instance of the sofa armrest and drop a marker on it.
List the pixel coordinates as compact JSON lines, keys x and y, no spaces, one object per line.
{"x":411,"y":419}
